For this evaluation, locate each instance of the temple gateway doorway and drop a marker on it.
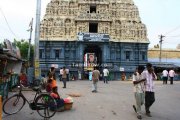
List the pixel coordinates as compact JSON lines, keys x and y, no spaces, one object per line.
{"x":92,"y":57}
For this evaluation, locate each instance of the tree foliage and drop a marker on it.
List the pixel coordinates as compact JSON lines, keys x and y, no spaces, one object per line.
{"x":23,"y":46}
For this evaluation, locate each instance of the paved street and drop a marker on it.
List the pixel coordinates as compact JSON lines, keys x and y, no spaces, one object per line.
{"x":112,"y":102}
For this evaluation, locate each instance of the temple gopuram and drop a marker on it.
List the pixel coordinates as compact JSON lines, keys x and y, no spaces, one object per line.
{"x":81,"y":34}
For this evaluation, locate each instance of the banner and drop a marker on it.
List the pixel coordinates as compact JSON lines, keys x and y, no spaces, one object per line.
{"x":93,"y":37}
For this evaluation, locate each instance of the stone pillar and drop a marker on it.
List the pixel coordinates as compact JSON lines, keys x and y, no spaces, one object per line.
{"x":104,"y":54}
{"x":81,"y":52}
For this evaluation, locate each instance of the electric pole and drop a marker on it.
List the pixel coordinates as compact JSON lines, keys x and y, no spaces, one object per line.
{"x":37,"y":36}
{"x":160,"y":42}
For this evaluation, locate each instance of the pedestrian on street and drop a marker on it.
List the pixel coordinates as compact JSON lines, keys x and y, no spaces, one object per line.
{"x":95,"y":79}
{"x":67,"y":73}
{"x":149,"y":88}
{"x":171,"y":75}
{"x":64,"y":77}
{"x":165,"y":76}
{"x":52,"y":71}
{"x":60,"y":74}
{"x":105,"y":74}
{"x":139,"y":88}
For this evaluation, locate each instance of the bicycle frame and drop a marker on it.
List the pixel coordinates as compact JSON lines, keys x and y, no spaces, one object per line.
{"x":42,"y":107}
{"x":22,"y":95}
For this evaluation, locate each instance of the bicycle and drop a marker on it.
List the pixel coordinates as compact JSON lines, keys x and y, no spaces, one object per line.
{"x":44,"y":104}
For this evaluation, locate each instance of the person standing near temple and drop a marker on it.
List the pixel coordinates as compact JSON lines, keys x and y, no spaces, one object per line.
{"x":165,"y":76}
{"x":105,"y":74}
{"x":67,"y":73}
{"x":171,"y":75}
{"x":52,"y":71}
{"x":139,"y":88}
{"x":60,"y":74}
{"x":150,"y":76}
{"x":95,"y":79}
{"x":64,"y":77}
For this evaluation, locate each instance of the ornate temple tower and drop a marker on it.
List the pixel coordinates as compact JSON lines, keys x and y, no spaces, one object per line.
{"x":112,"y":29}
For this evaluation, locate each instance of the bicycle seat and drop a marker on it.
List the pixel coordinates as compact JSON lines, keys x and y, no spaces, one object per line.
{"x":36,"y":88}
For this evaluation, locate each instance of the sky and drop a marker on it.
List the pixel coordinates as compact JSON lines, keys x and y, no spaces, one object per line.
{"x":159,"y":16}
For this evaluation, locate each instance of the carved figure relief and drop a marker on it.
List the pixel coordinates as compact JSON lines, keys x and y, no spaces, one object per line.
{"x":118,"y":18}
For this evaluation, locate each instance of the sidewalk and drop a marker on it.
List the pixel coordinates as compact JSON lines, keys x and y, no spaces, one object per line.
{"x":112,"y":102}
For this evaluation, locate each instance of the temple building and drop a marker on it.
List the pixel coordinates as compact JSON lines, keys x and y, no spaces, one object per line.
{"x":81,"y":34}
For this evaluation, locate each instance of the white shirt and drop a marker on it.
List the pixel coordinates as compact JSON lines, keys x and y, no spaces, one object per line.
{"x":67,"y":71}
{"x":139,"y":87}
{"x":171,"y":73}
{"x":149,"y":84}
{"x":61,"y":71}
{"x":106,"y":72}
{"x":165,"y":73}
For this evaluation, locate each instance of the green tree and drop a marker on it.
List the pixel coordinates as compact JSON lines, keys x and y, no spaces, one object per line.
{"x":23,"y":46}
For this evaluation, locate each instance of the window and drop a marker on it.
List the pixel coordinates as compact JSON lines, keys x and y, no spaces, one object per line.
{"x":41,"y":53}
{"x":56,"y":53}
{"x":143,"y":56}
{"x":136,"y":55}
{"x":127,"y":55}
{"x":47,"y":53}
{"x":93,"y":27}
{"x":92,"y":9}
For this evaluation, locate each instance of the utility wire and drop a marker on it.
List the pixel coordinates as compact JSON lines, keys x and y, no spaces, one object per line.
{"x":8,"y":24}
{"x":178,"y":27}
{"x":174,"y":36}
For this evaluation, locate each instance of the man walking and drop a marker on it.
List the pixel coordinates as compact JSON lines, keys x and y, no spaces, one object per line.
{"x":165,"y":76}
{"x":64,"y":77}
{"x":60,"y":74}
{"x":171,"y":75}
{"x":149,"y":88}
{"x":138,"y":81}
{"x":105,"y":74}
{"x":95,"y":79}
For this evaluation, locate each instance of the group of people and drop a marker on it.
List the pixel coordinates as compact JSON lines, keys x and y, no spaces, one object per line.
{"x":143,"y":81}
{"x":165,"y":76}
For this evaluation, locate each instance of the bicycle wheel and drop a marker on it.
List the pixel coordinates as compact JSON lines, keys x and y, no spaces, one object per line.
{"x":45,"y":105}
{"x":13,"y":104}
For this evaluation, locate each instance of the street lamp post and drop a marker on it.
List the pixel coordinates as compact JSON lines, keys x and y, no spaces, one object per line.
{"x":160,"y":42}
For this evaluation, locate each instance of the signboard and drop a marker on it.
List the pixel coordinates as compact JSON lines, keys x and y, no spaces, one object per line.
{"x":93,"y":37}
{"x":121,"y":69}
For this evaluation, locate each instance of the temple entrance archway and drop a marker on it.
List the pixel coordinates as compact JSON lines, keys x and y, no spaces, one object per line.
{"x":92,"y":57}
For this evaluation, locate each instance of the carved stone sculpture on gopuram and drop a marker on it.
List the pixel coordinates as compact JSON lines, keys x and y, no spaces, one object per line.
{"x":64,"y":19}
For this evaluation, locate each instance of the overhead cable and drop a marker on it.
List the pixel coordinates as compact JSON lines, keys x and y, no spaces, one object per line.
{"x":8,"y":24}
